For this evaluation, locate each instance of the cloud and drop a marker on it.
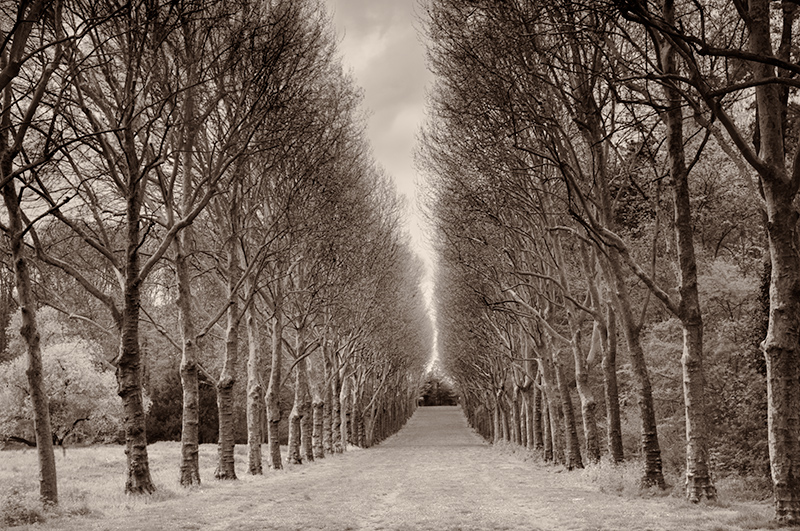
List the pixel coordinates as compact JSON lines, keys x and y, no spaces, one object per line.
{"x":381,"y":46}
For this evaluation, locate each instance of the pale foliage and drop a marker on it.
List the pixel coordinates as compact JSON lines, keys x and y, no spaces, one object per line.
{"x":78,"y":387}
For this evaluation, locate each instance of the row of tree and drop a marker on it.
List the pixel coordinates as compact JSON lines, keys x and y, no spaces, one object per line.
{"x":589,"y":159}
{"x":192,"y":177}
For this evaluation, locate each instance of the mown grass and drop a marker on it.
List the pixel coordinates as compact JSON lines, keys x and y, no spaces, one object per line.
{"x":91,"y":481}
{"x":91,"y":491}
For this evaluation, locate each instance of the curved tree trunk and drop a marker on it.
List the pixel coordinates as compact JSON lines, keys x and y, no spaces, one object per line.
{"x":653,"y":473}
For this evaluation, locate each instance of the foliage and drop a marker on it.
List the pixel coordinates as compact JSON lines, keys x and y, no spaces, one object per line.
{"x":438,"y":392}
{"x":80,"y":386}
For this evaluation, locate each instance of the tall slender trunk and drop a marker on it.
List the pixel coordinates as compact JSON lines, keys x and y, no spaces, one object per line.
{"x":255,"y":396}
{"x":588,"y":402}
{"x":585,"y":392}
{"x":273,"y":389}
{"x":609,"y":364}
{"x":190,"y":427}
{"x":293,"y":455}
{"x":555,"y":415}
{"x":129,"y":368}
{"x":573,"y":450}
{"x":344,"y":413}
{"x":782,"y":343}
{"x":547,"y":434}
{"x":227,"y":379}
{"x":538,"y":416}
{"x":336,"y":410}
{"x":327,"y":407}
{"x":48,"y":485}
{"x":698,"y":480}
{"x":653,"y":473}
{"x":516,"y":421}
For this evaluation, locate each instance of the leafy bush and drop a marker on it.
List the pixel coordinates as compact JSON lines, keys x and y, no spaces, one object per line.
{"x":82,"y":392}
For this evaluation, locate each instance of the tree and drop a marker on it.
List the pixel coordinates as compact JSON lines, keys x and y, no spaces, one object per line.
{"x":34,"y":43}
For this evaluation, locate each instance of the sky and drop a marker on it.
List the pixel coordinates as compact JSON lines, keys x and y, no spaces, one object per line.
{"x":380,"y":45}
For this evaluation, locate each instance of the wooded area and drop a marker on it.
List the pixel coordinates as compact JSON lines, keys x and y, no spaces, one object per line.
{"x":613,"y":185}
{"x":189,"y":198}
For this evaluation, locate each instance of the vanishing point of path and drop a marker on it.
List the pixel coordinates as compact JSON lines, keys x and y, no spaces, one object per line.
{"x":435,"y":474}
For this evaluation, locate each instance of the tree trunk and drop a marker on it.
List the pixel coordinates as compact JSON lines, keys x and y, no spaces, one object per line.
{"x":653,"y":473}
{"x":129,"y":369}
{"x":588,"y":402}
{"x":516,"y":421}
{"x":273,"y":389}
{"x":336,"y":411}
{"x":781,"y":352}
{"x":613,"y":425}
{"x":538,"y":415}
{"x":573,"y":450}
{"x":190,"y":428}
{"x":48,"y":485}
{"x":783,"y":333}
{"x":547,"y":435}
{"x":225,"y":400}
{"x":293,"y":455}
{"x":318,"y":429}
{"x":327,"y":408}
{"x":344,"y":411}
{"x":255,"y":396}
{"x":698,"y":480}
{"x":306,"y":420}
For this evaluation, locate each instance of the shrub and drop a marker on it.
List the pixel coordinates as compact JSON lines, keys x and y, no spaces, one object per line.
{"x":82,"y":392}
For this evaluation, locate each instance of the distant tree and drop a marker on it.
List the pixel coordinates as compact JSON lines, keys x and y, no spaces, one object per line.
{"x":438,"y":392}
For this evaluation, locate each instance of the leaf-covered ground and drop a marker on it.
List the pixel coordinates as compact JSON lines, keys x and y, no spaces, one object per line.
{"x":434,"y":474}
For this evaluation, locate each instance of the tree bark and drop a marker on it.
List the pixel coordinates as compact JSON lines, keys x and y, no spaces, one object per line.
{"x":225,"y":399}
{"x":190,"y":427}
{"x":609,"y":365}
{"x":255,"y":396}
{"x":336,"y":410}
{"x":573,"y":450}
{"x":273,"y":389}
{"x":782,"y":343}
{"x":129,"y":368}
{"x":653,"y":473}
{"x":698,"y":480}
{"x":48,"y":484}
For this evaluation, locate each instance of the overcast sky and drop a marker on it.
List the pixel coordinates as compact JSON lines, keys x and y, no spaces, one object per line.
{"x":379,"y":43}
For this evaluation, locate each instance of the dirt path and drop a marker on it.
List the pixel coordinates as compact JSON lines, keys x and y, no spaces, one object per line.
{"x":434,"y":474}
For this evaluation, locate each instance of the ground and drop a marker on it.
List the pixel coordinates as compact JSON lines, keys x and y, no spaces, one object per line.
{"x":435,"y":474}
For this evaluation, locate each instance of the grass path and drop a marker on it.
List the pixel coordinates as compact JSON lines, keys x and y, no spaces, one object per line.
{"x":434,"y":474}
